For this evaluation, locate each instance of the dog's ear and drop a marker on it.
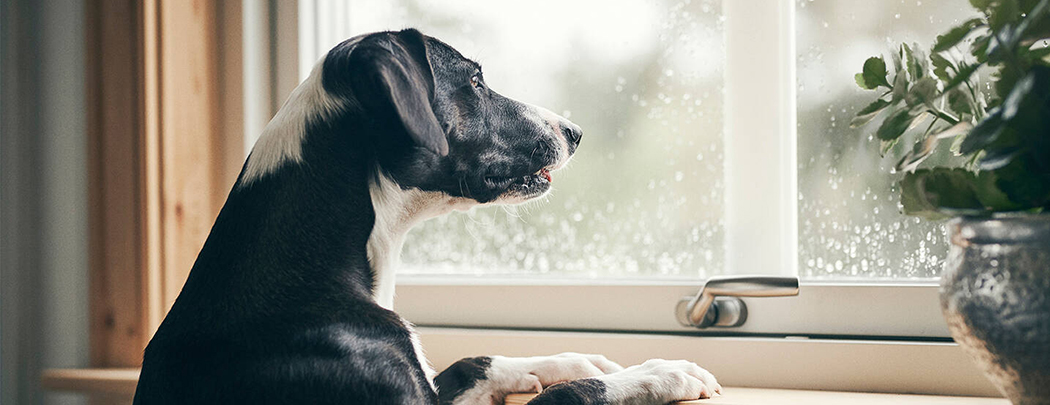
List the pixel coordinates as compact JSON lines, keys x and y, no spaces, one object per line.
{"x":391,"y":74}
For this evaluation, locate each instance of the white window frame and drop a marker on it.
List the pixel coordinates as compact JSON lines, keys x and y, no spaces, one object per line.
{"x":887,"y":327}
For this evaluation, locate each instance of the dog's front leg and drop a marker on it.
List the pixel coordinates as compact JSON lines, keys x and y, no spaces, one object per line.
{"x":487,"y":380}
{"x":655,"y":382}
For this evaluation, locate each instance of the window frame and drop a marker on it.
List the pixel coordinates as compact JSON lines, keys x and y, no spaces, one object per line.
{"x":837,"y":322}
{"x":761,"y":171}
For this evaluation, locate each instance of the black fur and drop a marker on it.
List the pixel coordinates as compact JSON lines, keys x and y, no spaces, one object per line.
{"x":278,"y":307}
{"x":461,"y":376}
{"x":587,"y":391}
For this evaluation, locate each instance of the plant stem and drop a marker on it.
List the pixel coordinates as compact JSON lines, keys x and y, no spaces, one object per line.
{"x":978,"y":112}
{"x":943,"y":115}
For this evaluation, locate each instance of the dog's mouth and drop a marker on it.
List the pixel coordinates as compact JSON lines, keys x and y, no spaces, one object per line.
{"x":523,"y":187}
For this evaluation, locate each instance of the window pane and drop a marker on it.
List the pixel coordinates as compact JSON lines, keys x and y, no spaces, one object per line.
{"x":849,"y":223}
{"x":643,"y":196}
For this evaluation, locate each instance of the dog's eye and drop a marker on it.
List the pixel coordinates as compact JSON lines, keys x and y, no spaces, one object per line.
{"x":475,"y":81}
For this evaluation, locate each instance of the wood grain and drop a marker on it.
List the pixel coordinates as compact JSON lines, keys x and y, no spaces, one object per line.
{"x":521,"y":399}
{"x":114,"y":79}
{"x":159,"y":157}
{"x":117,"y":381}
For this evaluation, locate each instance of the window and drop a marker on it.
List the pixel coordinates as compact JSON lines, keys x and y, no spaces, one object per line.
{"x":692,"y":151}
{"x":849,"y":226}
{"x":643,"y":198}
{"x":717,"y":143}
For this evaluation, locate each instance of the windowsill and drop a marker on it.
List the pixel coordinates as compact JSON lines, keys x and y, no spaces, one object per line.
{"x":110,"y":381}
{"x":788,"y":364}
{"x":122,"y":382}
{"x":872,"y":366}
{"x":763,"y":396}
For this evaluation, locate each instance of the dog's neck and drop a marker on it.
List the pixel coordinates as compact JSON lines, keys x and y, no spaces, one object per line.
{"x":397,"y":210}
{"x":278,"y":160}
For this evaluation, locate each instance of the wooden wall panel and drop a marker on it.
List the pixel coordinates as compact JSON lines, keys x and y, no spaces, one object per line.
{"x":114,"y":87}
{"x":189,"y":123}
{"x":165,"y":150}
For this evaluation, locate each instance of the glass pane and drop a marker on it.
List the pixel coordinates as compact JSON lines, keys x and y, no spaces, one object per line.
{"x":849,"y":223}
{"x":643,"y":196}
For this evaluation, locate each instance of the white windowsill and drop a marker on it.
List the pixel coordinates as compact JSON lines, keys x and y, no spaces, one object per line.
{"x":786,"y":363}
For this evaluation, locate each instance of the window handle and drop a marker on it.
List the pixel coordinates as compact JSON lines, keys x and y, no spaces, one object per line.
{"x":717,"y":304}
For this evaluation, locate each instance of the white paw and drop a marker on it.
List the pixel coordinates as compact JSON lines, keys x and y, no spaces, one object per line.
{"x":508,"y":375}
{"x":554,"y":369}
{"x":660,"y":381}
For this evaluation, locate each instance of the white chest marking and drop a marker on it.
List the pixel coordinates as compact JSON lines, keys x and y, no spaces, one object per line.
{"x":397,"y":210}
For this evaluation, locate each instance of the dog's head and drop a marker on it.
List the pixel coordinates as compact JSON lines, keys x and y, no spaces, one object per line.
{"x":437,"y":126}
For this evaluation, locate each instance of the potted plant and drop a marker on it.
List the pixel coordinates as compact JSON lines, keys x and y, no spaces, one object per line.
{"x":982,"y":92}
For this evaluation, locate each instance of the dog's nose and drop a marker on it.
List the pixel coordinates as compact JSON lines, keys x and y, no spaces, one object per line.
{"x":573,"y":133}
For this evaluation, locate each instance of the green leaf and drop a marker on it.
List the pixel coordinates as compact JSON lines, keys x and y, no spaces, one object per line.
{"x":914,"y":60}
{"x":981,"y":5}
{"x":1034,"y":25}
{"x":939,"y":193}
{"x":1037,"y":53}
{"x":986,"y":132}
{"x":959,"y":101}
{"x":873,"y":108}
{"x":859,"y":78}
{"x":940,"y":66}
{"x":1017,"y":96}
{"x":900,"y":87}
{"x":979,"y":48}
{"x":962,"y":75}
{"x":917,"y":155}
{"x":1003,"y":12}
{"x":951,"y":38}
{"x":895,"y":125}
{"x":868,"y":113}
{"x":898,"y":66}
{"x":1000,"y":157}
{"x":956,"y":144}
{"x":1022,"y":185}
{"x":874,"y":74}
{"x":925,"y":147}
{"x":990,"y":195}
{"x":922,"y":92}
{"x":885,"y":146}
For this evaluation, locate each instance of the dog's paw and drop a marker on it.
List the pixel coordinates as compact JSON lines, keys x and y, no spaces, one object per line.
{"x":507,"y":375}
{"x":660,"y":381}
{"x":549,"y":370}
{"x":571,"y":366}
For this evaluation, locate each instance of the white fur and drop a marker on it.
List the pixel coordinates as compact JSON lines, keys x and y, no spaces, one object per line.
{"x":282,"y":140}
{"x":659,"y":381}
{"x":428,"y":369}
{"x":552,"y":119}
{"x":507,"y":375}
{"x":397,"y":210}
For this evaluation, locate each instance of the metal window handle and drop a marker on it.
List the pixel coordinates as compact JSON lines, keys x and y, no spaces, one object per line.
{"x":717,"y":304}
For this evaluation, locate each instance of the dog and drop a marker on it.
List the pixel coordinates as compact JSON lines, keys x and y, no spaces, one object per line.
{"x":289,"y":300}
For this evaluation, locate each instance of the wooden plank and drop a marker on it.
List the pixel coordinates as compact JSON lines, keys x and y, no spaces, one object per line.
{"x":161,"y":160}
{"x":189,"y":126}
{"x":117,"y":310}
{"x":118,"y":381}
{"x":522,"y":399}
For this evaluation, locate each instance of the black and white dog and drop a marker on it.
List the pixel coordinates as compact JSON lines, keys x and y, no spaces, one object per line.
{"x":289,"y":300}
